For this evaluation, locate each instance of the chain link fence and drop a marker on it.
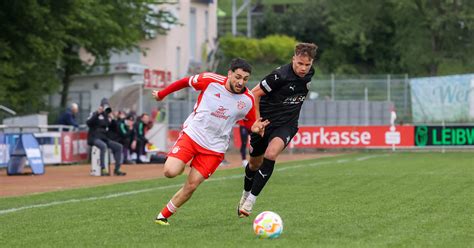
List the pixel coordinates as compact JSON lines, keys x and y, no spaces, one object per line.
{"x":334,"y":100}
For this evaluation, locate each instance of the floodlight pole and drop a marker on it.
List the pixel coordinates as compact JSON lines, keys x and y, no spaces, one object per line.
{"x":236,"y":12}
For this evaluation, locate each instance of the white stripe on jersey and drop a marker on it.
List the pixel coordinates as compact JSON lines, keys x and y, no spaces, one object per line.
{"x":266,"y":86}
{"x":214,"y":76}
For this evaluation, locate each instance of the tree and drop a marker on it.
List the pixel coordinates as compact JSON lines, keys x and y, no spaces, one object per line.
{"x":435,"y":33}
{"x":306,"y":22}
{"x":29,"y":47}
{"x":363,"y":34}
{"x":400,"y":36}
{"x":419,"y":37}
{"x":40,"y":42}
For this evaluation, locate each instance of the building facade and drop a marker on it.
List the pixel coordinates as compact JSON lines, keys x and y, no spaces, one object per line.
{"x":182,"y":51}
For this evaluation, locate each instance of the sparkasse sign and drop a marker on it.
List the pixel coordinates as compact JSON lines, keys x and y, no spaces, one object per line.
{"x":353,"y":136}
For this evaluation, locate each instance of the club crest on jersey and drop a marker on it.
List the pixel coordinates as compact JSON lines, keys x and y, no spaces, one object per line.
{"x":175,"y":149}
{"x":220,"y":113}
{"x":240,"y":105}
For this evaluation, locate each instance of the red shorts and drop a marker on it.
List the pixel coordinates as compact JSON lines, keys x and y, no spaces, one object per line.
{"x":205,"y":161}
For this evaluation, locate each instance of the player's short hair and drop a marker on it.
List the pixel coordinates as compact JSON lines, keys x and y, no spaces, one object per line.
{"x":306,"y":49}
{"x":239,"y":63}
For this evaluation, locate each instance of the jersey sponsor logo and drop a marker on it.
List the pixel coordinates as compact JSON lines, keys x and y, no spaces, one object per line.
{"x":241,"y":105}
{"x":220,"y":113}
{"x":294,"y":100}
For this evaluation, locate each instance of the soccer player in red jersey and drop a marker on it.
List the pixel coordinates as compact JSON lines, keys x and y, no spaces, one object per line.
{"x":206,"y":132}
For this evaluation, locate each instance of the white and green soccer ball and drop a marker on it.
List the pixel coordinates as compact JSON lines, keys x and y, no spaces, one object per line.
{"x":268,"y":225}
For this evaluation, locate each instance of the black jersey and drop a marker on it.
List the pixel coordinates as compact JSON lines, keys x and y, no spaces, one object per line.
{"x":284,"y":96}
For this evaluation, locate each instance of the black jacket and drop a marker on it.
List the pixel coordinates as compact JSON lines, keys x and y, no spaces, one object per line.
{"x":98,"y":125}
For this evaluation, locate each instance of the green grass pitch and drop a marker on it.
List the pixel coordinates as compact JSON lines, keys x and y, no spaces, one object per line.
{"x":359,"y":200}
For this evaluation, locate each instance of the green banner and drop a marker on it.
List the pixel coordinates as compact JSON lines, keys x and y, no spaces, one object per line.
{"x":444,"y":136}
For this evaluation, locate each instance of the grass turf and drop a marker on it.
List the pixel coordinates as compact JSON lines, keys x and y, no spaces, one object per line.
{"x":358,"y":200}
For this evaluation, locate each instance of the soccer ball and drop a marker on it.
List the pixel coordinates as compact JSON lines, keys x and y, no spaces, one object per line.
{"x":268,"y":225}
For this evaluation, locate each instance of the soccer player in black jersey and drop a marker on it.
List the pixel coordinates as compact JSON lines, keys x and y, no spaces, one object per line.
{"x":278,"y":99}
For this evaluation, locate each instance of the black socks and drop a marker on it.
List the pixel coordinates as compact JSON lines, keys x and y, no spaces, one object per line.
{"x":248,"y":179}
{"x":262,"y":177}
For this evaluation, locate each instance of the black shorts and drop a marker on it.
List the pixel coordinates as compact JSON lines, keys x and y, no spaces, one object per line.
{"x":259,"y":144}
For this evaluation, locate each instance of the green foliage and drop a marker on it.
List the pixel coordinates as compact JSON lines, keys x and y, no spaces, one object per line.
{"x":272,"y":49}
{"x":277,"y":48}
{"x":242,"y":47}
{"x":422,"y":37}
{"x":431,"y":34}
{"x":29,"y":46}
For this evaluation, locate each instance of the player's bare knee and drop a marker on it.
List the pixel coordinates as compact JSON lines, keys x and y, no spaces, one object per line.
{"x":255,"y":163}
{"x":169,"y":173}
{"x":272,"y":154}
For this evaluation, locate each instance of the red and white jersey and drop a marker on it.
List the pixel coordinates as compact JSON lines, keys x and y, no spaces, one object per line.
{"x":216,"y":112}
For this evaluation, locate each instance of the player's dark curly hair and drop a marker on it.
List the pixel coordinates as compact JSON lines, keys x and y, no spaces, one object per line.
{"x":306,"y":49}
{"x":239,"y":63}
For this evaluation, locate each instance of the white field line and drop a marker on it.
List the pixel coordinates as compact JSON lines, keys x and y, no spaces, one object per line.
{"x":134,"y":192}
{"x":372,"y":156}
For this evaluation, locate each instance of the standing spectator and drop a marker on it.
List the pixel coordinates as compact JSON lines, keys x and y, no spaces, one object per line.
{"x":126,"y":133}
{"x":98,"y":123}
{"x":68,"y":117}
{"x":113,"y":131}
{"x":244,"y":135}
{"x":140,"y":130}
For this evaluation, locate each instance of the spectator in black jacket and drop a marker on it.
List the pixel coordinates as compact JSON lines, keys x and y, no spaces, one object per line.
{"x":98,"y":123}
{"x":126,"y":132}
{"x":68,"y":117}
{"x":140,"y":129}
{"x":113,"y":131}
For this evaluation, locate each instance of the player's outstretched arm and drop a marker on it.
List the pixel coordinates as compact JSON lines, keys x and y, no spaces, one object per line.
{"x":180,"y":84}
{"x":259,"y":126}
